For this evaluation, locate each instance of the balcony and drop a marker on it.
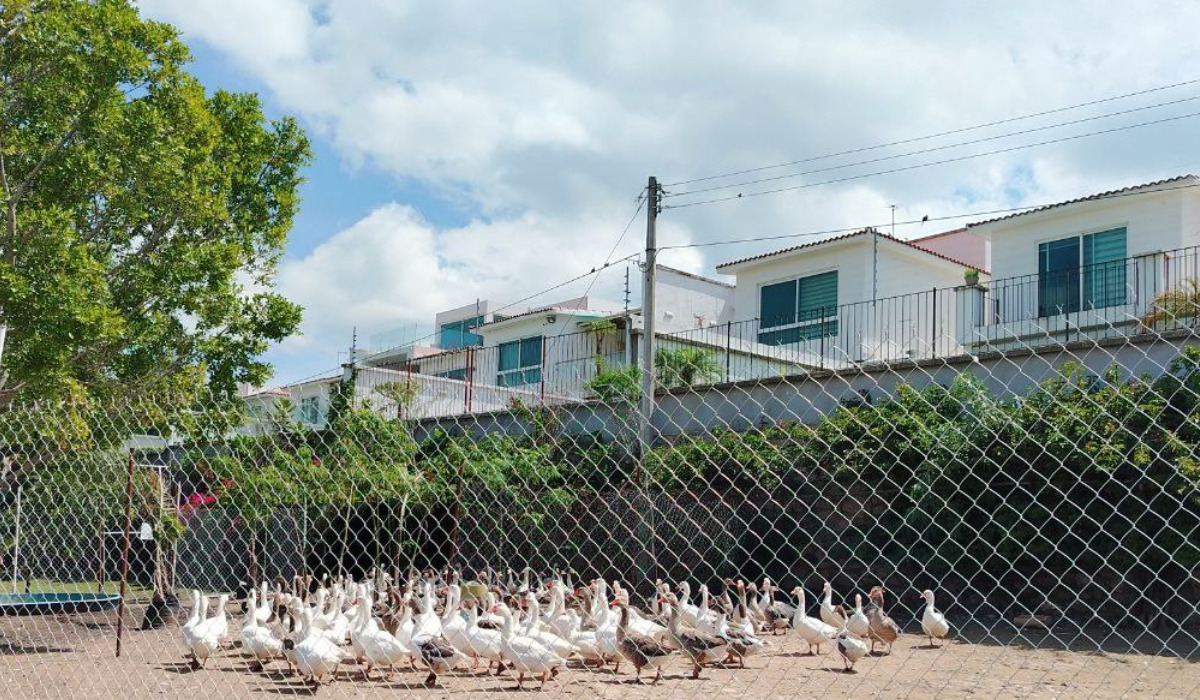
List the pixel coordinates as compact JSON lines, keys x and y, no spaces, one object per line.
{"x":1091,"y":302}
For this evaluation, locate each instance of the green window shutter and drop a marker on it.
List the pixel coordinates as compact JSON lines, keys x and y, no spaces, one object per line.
{"x":778,"y":304}
{"x":531,"y":352}
{"x":818,"y":296}
{"x":1104,"y":256}
{"x":510,"y":355}
{"x":1058,"y":277}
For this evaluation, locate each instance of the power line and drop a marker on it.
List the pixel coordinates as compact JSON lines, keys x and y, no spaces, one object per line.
{"x":940,"y":134}
{"x":948,"y":217}
{"x":934,"y":149}
{"x":641,"y":201}
{"x":918,"y":166}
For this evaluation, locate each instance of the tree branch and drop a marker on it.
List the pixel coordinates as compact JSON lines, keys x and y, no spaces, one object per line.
{"x":16,"y":196}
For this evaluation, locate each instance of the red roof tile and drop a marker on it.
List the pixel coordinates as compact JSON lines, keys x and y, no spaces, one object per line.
{"x":844,"y":237}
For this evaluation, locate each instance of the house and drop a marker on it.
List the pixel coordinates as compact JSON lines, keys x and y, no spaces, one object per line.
{"x":1087,"y":267}
{"x":859,"y":297}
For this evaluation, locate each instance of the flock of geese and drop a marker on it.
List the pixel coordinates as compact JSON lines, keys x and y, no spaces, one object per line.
{"x":442,"y":622}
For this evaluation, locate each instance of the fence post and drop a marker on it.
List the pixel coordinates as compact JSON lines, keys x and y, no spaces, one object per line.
{"x":100,"y":557}
{"x":728,"y":346}
{"x":125,"y":553}
{"x":16,"y":562}
{"x":468,"y":375}
{"x":450,"y":560}
{"x":933,"y":324}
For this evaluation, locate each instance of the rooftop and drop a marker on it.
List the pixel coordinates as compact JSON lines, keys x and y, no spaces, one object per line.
{"x":1174,"y":183}
{"x":845,"y":237}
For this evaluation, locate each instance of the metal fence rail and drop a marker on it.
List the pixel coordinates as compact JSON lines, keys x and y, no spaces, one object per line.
{"x":1046,"y":495}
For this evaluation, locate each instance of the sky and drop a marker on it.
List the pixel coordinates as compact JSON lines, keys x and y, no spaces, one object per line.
{"x":485,"y":150}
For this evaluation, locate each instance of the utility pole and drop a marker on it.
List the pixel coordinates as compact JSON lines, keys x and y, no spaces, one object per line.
{"x":626,"y":288}
{"x":647,"y":412}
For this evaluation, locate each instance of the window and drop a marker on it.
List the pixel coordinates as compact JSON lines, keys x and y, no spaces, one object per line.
{"x":310,"y":409}
{"x":456,"y":334}
{"x":520,"y":362}
{"x":459,"y":374}
{"x":798,"y":310}
{"x":1081,"y":272}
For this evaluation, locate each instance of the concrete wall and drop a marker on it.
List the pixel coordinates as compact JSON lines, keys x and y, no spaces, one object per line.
{"x":684,"y":301}
{"x":959,"y":244}
{"x":807,"y":398}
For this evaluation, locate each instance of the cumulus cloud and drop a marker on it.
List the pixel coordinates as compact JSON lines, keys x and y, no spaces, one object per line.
{"x":541,"y":122}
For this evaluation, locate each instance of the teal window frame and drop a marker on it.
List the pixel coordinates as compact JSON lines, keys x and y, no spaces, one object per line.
{"x":310,"y":410}
{"x":456,"y":335}
{"x":519,"y":362}
{"x":1082,"y":272}
{"x":799,"y":309}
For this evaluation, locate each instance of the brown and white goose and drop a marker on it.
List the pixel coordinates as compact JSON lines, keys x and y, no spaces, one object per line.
{"x":881,"y":627}
{"x":700,"y":647}
{"x":779,"y":614}
{"x":638,"y":649}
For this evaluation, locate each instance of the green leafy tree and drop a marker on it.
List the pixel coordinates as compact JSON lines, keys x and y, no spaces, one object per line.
{"x":143,"y":220}
{"x":616,"y":384}
{"x":681,"y":367}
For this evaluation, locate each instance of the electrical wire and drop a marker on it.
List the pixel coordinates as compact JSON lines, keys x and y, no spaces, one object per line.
{"x":944,"y":161}
{"x":641,"y":201}
{"x":934,"y":149}
{"x":951,"y":132}
{"x":948,"y":217}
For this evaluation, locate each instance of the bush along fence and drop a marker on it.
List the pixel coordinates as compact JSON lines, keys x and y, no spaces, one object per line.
{"x":1072,"y":504}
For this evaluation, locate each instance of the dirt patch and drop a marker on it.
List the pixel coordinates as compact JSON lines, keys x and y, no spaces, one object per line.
{"x":72,"y":657}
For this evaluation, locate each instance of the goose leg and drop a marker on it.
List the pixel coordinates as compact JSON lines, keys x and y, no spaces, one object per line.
{"x":520,"y":680}
{"x":657,"y":675}
{"x":545,"y":675}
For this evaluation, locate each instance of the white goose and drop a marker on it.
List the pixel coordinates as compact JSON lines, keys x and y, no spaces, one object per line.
{"x":190,"y":638}
{"x":263,"y":613}
{"x":832,"y":615}
{"x":537,"y":631}
{"x":316,"y":656}
{"x":584,"y":640}
{"x":206,"y":635}
{"x":379,"y":648}
{"x":258,"y":639}
{"x":933,"y":623}
{"x":527,"y":655}
{"x":858,"y":624}
{"x":480,"y":642}
{"x":812,"y":630}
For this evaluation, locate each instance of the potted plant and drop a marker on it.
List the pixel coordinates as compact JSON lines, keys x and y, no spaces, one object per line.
{"x":971,"y":277}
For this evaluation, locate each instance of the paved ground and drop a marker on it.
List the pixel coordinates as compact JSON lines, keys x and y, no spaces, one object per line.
{"x":72,"y":657}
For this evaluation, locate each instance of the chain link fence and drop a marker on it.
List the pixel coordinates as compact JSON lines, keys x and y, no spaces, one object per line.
{"x":1022,"y":522}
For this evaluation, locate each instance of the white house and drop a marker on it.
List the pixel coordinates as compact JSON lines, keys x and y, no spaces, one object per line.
{"x":858,"y":297}
{"x":1087,"y":267}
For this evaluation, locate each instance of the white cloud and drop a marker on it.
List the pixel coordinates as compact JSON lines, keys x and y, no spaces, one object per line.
{"x":544,"y":119}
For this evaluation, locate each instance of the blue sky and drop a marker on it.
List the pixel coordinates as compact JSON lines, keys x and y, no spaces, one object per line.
{"x":471,"y":150}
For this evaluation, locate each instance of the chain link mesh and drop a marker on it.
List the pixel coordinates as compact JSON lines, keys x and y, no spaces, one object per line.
{"x":411,"y":529}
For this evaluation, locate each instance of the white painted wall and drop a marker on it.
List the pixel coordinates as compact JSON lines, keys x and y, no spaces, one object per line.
{"x":684,"y":302}
{"x":1154,"y":222}
{"x":888,"y":329}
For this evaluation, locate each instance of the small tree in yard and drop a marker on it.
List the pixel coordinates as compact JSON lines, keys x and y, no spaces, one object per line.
{"x":684,"y":367}
{"x":402,"y":394}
